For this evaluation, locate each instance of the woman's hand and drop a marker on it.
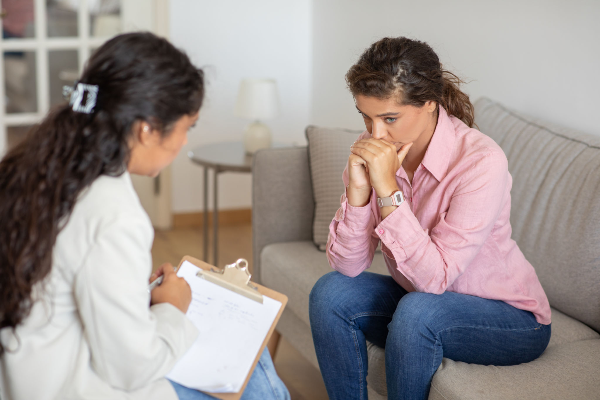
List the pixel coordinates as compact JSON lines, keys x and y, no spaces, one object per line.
{"x":359,"y":188}
{"x":382,"y":161}
{"x":173,"y":289}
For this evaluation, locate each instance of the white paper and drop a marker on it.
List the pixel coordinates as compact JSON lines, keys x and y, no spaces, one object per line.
{"x":232,"y":329}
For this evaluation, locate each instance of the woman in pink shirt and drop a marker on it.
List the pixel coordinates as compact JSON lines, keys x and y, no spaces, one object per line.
{"x":436,"y":194}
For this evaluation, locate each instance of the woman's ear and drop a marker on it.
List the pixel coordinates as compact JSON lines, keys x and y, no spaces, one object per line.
{"x":144,"y":134}
{"x":431,"y":106}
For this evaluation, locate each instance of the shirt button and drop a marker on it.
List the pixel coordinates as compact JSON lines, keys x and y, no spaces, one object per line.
{"x":381,"y":231}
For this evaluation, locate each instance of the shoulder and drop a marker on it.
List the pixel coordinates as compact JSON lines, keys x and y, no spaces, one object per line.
{"x":475,"y":150}
{"x":110,"y":206}
{"x":110,"y":195}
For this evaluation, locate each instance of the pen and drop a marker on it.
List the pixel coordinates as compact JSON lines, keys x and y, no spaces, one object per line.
{"x":157,"y":282}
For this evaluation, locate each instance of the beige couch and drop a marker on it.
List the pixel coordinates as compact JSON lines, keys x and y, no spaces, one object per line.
{"x":555,"y":219}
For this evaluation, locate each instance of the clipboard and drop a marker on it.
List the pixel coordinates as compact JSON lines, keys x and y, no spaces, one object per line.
{"x":237,"y":279}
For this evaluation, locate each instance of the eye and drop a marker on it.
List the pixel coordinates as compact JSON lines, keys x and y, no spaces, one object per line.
{"x":390,"y":120}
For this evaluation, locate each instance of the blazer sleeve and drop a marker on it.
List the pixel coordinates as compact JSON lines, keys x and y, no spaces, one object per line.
{"x":131,"y":344}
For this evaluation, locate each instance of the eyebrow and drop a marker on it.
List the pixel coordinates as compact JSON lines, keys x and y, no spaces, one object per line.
{"x":388,"y":114}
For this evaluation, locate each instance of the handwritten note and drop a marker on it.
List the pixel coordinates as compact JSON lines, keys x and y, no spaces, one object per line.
{"x":232,"y":329}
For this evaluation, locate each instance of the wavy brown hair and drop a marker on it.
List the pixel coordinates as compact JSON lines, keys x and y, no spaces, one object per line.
{"x":140,"y":77}
{"x":411,"y":70}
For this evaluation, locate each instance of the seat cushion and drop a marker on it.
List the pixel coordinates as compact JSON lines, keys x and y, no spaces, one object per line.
{"x":293,"y":268}
{"x":565,"y":331}
{"x":567,"y":371}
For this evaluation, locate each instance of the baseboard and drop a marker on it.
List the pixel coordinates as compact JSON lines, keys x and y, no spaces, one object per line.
{"x":226,"y":217}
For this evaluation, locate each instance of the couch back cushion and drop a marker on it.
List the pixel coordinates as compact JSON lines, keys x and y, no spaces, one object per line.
{"x":328,"y":151}
{"x":555,"y":213}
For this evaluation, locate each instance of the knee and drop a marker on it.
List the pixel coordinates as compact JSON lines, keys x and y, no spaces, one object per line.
{"x":417,"y":312}
{"x":325,"y":294}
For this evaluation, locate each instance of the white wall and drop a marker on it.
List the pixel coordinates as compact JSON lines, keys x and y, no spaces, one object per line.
{"x":231,"y":40}
{"x":541,"y":57}
{"x":537,"y":56}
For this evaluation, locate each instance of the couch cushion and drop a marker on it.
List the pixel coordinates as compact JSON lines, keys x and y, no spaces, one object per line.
{"x":293,"y":268}
{"x":328,"y":151}
{"x":555,"y":212}
{"x":568,"y":371}
{"x":565,"y":330}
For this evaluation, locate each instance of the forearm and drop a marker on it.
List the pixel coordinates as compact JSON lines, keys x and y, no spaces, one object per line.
{"x":351,"y":244}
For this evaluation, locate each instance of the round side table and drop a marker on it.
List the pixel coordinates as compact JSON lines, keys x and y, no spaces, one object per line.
{"x":220,"y":157}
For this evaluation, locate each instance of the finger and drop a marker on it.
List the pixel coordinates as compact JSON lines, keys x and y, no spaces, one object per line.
{"x":390,"y":145}
{"x":167,"y":270}
{"x":159,"y":271}
{"x":404,"y":151}
{"x":373,"y":145}
{"x":356,"y":160}
{"x":374,"y":142}
{"x":377,"y":147}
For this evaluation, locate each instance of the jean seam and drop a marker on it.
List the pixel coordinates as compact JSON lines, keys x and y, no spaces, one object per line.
{"x":260,"y":362}
{"x":490,"y":328}
{"x":435,"y":351}
{"x":359,"y":358}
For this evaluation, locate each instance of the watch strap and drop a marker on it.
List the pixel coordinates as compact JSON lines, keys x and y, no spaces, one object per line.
{"x":395,"y":199}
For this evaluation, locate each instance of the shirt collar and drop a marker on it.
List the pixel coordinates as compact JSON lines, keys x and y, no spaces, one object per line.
{"x":441,"y":146}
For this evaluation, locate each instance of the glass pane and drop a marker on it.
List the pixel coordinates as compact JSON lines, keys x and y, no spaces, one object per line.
{"x":62,"y":18}
{"x":20,"y":82}
{"x":15,"y":134}
{"x":64,"y":70}
{"x":18,"y":21}
{"x":105,"y":18}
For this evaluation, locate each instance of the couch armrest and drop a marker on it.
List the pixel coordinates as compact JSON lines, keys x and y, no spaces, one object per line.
{"x":282,"y":200}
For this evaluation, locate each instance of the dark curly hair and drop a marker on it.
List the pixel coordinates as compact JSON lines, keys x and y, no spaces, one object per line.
{"x":140,"y":77}
{"x":411,"y":70}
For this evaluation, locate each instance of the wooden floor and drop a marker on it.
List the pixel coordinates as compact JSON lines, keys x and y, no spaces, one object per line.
{"x":302,"y":379}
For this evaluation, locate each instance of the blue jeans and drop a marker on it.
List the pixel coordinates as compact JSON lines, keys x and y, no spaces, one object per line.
{"x":416,"y":329}
{"x":264,"y":384}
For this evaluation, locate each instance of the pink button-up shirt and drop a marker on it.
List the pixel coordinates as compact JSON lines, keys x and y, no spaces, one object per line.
{"x":452,"y":232}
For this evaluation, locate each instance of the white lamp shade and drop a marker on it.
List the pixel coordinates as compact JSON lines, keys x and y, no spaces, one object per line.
{"x":257,"y":99}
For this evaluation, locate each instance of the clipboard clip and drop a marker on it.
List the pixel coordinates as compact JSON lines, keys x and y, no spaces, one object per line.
{"x":234,"y":277}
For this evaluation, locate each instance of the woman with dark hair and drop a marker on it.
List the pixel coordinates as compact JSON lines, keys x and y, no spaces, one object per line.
{"x":436,"y":194}
{"x":75,"y":242}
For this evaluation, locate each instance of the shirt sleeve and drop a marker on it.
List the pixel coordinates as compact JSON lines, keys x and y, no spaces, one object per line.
{"x":351,"y":243}
{"x":431,"y":262}
{"x":131,"y":344}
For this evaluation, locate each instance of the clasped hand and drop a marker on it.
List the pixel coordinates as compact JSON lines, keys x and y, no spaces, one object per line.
{"x":373,"y":164}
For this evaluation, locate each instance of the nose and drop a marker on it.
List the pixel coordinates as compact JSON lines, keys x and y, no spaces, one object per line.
{"x":378,"y":131}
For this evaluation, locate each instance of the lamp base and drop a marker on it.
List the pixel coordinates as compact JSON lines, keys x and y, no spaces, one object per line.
{"x":256,"y":137}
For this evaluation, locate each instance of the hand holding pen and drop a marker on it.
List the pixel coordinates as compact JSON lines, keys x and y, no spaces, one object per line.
{"x":167,"y":287}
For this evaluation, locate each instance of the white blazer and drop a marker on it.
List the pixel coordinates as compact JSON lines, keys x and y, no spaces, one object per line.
{"x":91,"y":333}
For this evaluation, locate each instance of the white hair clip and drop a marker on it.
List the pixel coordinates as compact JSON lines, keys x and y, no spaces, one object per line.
{"x":78,"y":99}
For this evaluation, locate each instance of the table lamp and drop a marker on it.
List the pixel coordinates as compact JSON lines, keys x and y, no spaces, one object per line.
{"x":257,"y":100}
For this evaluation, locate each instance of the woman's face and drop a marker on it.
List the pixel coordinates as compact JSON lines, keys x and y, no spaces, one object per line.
{"x":398,"y":124}
{"x":151,"y":151}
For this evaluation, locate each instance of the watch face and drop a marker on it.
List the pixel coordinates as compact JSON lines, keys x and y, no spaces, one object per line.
{"x":398,"y":198}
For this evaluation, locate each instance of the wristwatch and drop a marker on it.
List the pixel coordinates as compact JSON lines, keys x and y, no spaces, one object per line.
{"x":395,"y":199}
